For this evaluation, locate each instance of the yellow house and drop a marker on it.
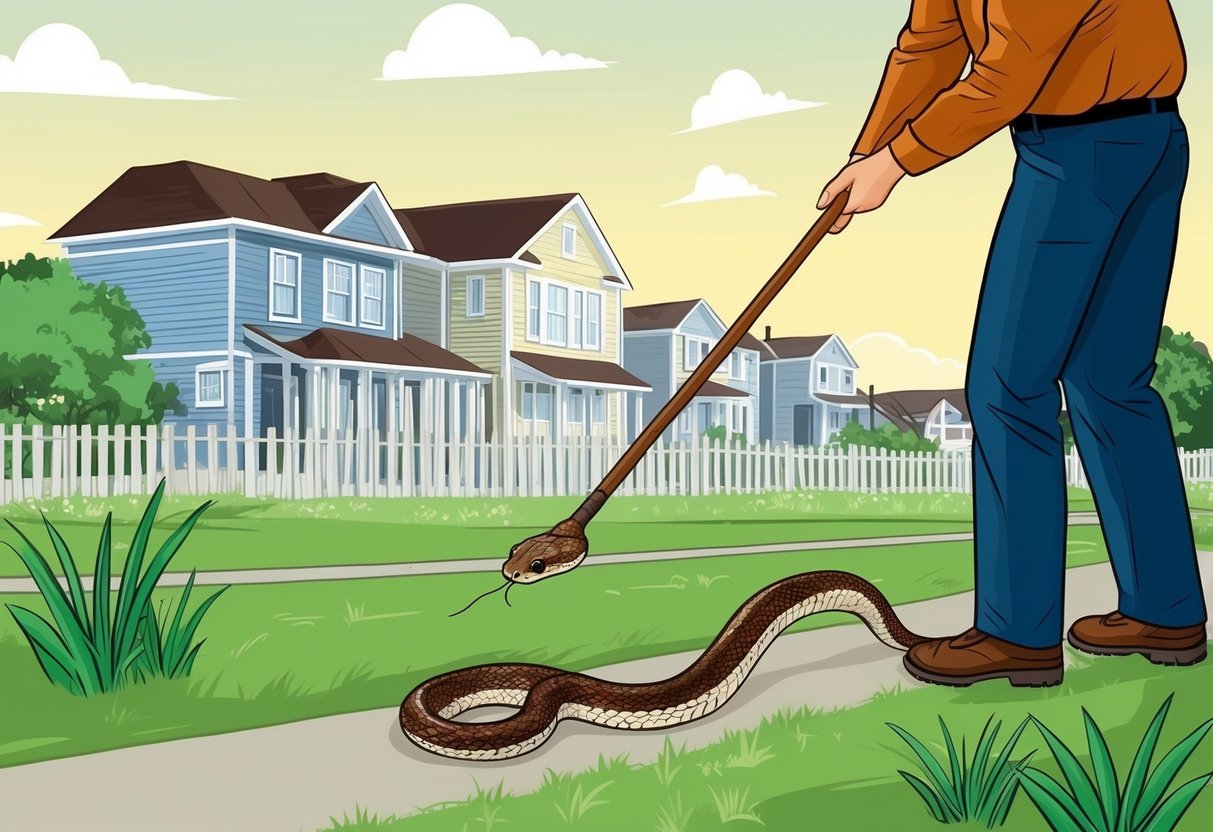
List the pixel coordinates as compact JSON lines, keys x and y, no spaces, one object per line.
{"x":532,"y":293}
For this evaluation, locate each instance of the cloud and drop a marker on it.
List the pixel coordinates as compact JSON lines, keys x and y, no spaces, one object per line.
{"x":713,"y":183}
{"x":737,"y":96}
{"x":463,"y":41}
{"x":889,"y":361}
{"x":14,"y":220}
{"x":58,"y":58}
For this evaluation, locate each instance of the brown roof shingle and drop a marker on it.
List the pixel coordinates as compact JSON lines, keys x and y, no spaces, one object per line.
{"x":657,"y":315}
{"x":487,"y":230}
{"x":589,"y":371}
{"x":804,"y":346}
{"x":331,"y":344}
{"x":323,"y":196}
{"x":716,"y":390}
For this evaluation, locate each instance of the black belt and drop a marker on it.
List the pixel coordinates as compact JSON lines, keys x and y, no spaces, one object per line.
{"x":1100,"y":112}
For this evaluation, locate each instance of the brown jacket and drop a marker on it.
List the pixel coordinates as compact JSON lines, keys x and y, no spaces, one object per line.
{"x":1039,"y":56}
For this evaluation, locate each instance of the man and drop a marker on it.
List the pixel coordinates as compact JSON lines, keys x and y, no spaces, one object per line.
{"x":1074,"y":291}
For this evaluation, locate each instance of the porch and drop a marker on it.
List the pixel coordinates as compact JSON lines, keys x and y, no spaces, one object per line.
{"x":558,"y":397}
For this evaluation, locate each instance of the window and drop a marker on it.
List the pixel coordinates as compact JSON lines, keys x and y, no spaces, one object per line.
{"x":209,"y":383}
{"x":593,"y":321}
{"x":535,"y":404}
{"x":599,"y":407}
{"x":284,"y":285}
{"x":338,"y":292}
{"x":475,"y":299}
{"x":568,"y":241}
{"x":575,"y":334}
{"x":372,"y":284}
{"x":532,"y":311}
{"x":848,"y":381}
{"x":737,"y":364}
{"x":823,"y":375}
{"x":684,"y":421}
{"x":690,"y":352}
{"x":558,"y":315}
{"x":835,"y":420}
{"x":576,"y":406}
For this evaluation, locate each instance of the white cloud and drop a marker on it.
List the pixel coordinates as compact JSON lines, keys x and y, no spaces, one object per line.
{"x":713,"y":183}
{"x":891,"y":363}
{"x":14,"y":220}
{"x":737,"y":96}
{"x":462,"y":41}
{"x":59,"y":58}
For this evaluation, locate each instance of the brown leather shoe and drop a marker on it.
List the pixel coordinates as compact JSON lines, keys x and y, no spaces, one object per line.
{"x":1115,"y":634}
{"x":974,"y":656}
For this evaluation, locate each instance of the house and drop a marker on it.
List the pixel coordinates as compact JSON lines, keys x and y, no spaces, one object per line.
{"x":807,"y":389}
{"x":317,"y":280}
{"x":936,"y":414}
{"x":533,"y":294}
{"x":663,"y":343}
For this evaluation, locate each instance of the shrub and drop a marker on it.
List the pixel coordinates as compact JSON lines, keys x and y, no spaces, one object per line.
{"x":88,"y":654}
{"x":1101,"y":803}
{"x":719,"y":433}
{"x":886,"y":436}
{"x":975,"y":790}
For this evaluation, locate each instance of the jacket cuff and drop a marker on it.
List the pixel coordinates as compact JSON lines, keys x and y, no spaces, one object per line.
{"x":914,"y":156}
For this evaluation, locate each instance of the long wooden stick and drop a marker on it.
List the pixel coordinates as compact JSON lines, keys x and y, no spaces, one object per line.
{"x":728,"y":342}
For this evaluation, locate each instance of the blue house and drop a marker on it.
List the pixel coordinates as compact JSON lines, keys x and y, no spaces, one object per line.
{"x":663,"y":343}
{"x":808,"y":389}
{"x":275,"y":303}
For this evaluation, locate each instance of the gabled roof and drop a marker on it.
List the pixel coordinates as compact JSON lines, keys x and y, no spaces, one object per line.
{"x":716,"y":390}
{"x":490,"y":230}
{"x":332,"y":344}
{"x":667,"y":315}
{"x":671,"y":314}
{"x":909,"y":407}
{"x":585,"y":371}
{"x":323,"y":196}
{"x":802,"y":346}
{"x":180,"y":192}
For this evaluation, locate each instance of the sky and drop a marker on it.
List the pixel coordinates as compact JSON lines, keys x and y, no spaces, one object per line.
{"x":273,"y":88}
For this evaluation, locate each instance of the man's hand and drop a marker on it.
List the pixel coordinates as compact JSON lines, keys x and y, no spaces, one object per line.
{"x":870,"y":179}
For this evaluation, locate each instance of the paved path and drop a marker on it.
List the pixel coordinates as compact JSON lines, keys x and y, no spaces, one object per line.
{"x":284,"y":575}
{"x":293,"y":777}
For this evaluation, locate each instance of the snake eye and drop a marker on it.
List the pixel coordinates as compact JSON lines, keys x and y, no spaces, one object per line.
{"x":537,"y":566}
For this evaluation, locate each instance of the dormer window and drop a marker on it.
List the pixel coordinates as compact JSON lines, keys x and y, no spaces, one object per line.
{"x":848,"y":381}
{"x":823,"y":376}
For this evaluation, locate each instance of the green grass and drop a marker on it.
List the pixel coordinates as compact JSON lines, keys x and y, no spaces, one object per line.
{"x":838,"y":770}
{"x":239,"y":533}
{"x":283,"y":652}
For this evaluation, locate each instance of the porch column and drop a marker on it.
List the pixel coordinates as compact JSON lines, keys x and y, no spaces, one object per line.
{"x":621,"y":416}
{"x":249,"y":369}
{"x":390,"y":387}
{"x":334,"y":383}
{"x":286,"y":396}
{"x":638,"y":418}
{"x":313,"y":400}
{"x":560,"y":418}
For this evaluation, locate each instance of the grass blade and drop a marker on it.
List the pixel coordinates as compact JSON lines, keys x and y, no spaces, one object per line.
{"x":123,"y":622}
{"x":1059,"y":809}
{"x":958,"y":788}
{"x":75,"y":588}
{"x":1165,"y":773}
{"x":53,"y":655}
{"x":933,"y":770}
{"x":1106,"y":782}
{"x":192,"y":625}
{"x":1083,"y":790}
{"x":1141,"y":765}
{"x":934,"y":805}
{"x":101,"y":601}
{"x":1167,"y":816}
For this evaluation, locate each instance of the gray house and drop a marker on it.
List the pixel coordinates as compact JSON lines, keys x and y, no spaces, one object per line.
{"x":808,"y":389}
{"x":663,"y":343}
{"x":936,"y":414}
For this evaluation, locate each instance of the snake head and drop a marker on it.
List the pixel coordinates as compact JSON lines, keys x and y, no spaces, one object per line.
{"x":544,"y":555}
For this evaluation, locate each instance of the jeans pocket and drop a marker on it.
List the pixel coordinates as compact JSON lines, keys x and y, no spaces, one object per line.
{"x":1116,"y":162}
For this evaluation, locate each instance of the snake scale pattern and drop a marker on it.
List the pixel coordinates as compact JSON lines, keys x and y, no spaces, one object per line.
{"x":546,"y":695}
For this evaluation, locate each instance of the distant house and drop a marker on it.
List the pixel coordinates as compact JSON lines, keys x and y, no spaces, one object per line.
{"x":807,"y":389}
{"x":663,"y":343}
{"x":316,"y":280}
{"x":936,"y":414}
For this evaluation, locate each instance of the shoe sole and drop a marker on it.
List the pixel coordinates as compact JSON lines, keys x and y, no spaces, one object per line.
{"x":1018,"y":678}
{"x":1181,"y":658}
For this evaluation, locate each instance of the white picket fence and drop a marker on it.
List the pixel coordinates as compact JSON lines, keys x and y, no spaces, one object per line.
{"x":103,"y":462}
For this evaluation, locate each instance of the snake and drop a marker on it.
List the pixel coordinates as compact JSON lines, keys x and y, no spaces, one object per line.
{"x":544,"y":695}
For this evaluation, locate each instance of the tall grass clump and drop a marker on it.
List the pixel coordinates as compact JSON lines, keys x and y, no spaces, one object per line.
{"x":1100,"y":803}
{"x":88,"y":648}
{"x":971,"y":789}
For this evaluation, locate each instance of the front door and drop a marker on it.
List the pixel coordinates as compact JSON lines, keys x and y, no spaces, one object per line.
{"x":802,"y":424}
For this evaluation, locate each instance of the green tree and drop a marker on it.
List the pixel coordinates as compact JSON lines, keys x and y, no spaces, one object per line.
{"x":719,"y":433}
{"x":63,"y":348}
{"x":886,"y":436}
{"x":1184,"y":379}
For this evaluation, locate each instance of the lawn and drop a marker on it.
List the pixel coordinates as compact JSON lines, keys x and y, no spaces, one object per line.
{"x":838,"y":770}
{"x":240,"y":533}
{"x":283,"y":652}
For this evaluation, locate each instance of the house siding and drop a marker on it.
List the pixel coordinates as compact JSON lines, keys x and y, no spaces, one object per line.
{"x":181,"y":293}
{"x":362,"y":225}
{"x":421,"y":303}
{"x":648,"y":357}
{"x":182,"y":372}
{"x":252,"y":283}
{"x":477,"y":339}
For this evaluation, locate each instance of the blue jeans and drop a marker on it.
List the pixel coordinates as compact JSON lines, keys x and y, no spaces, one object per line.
{"x":1074,"y":292}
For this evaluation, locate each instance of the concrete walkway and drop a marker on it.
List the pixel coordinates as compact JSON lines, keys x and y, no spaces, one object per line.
{"x":297,"y":574}
{"x":294,"y":777}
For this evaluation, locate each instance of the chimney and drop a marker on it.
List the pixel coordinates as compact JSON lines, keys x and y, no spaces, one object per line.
{"x":767,"y":337}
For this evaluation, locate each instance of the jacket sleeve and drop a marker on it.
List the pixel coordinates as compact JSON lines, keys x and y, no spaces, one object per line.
{"x":1024,"y":40}
{"x":931,"y":52}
